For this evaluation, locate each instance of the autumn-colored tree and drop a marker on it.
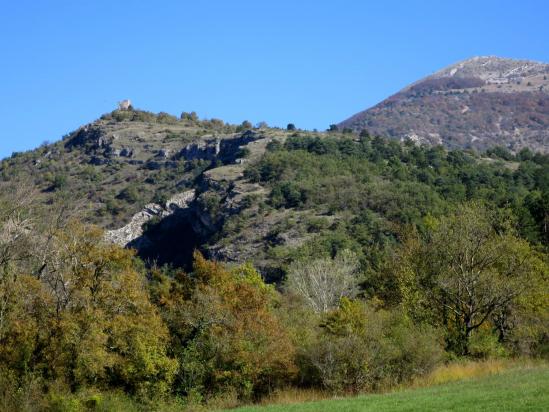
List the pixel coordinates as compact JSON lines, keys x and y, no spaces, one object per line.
{"x":228,"y":337}
{"x":85,"y":319}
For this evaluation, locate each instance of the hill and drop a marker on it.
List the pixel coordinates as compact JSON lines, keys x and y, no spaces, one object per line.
{"x":476,"y":103}
{"x":266,"y":259}
{"x":168,"y":185}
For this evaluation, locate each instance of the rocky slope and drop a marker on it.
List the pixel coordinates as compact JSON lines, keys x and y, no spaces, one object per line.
{"x":154,"y":182}
{"x":476,"y":103}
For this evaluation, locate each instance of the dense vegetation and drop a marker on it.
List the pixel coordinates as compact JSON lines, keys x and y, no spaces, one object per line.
{"x":404,"y":258}
{"x":363,"y":194}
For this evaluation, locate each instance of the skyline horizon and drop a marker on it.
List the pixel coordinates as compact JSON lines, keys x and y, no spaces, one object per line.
{"x":135,"y":107}
{"x":312,"y":64}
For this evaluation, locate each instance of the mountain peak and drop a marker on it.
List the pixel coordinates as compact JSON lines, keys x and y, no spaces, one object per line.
{"x":491,"y":68}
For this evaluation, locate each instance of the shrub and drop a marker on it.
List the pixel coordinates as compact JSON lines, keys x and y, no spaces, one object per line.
{"x":245,"y":125}
{"x":364,"y":348}
{"x":59,"y":182}
{"x":192,"y":116}
{"x":166,"y":118}
{"x":484,"y":344}
{"x":130,"y":194}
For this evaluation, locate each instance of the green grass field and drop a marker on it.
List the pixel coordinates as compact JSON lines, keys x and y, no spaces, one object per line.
{"x":514,"y":390}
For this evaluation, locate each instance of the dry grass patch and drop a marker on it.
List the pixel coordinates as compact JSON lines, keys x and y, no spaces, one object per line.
{"x":290,"y":396}
{"x":470,"y":369}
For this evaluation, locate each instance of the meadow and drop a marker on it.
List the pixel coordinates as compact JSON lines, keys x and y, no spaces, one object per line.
{"x":521,"y":388}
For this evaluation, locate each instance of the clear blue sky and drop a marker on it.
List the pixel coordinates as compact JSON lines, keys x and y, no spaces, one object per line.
{"x":64,"y":63}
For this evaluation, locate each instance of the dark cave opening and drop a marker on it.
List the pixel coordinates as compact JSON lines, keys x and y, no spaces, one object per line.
{"x":170,"y":241}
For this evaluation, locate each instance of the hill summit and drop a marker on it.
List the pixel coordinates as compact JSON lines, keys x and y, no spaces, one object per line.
{"x":477,"y":103}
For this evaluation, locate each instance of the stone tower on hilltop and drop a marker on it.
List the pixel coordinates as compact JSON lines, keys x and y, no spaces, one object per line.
{"x":125,"y":104}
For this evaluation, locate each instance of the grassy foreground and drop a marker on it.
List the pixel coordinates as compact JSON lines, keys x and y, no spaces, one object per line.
{"x":524,"y":389}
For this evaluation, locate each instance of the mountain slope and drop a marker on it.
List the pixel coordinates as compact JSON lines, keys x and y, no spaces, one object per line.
{"x":167,"y":186}
{"x":478,"y":103}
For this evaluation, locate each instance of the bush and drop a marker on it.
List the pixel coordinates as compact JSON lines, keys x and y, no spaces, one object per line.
{"x":245,"y":125}
{"x":484,"y":344}
{"x":364,"y":348}
{"x":59,"y":182}
{"x":166,"y":118}
{"x":130,"y":194}
{"x":192,"y":116}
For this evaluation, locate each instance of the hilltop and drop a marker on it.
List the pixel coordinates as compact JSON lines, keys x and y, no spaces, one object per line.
{"x":477,"y":103}
{"x":166,"y":185}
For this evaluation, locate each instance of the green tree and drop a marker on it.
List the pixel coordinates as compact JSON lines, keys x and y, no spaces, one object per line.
{"x":362,"y":347}
{"x":469,"y":268}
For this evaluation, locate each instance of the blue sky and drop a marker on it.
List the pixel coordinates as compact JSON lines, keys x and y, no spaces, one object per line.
{"x":64,"y":63}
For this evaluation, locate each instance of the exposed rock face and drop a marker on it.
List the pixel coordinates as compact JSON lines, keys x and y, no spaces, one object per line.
{"x":170,"y":233}
{"x":91,"y":136}
{"x":134,"y":230}
{"x":477,"y":103}
{"x":207,"y":150}
{"x":223,"y":149}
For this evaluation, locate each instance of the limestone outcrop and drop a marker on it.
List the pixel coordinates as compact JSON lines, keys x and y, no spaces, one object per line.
{"x":134,"y":229}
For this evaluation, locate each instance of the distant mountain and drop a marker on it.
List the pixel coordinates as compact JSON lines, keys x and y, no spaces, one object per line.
{"x":477,"y":103}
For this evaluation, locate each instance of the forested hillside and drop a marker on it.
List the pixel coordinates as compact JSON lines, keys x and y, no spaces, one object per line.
{"x":155,"y":262}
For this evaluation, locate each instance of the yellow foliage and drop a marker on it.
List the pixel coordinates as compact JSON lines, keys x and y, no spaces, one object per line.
{"x":87,"y":319}
{"x":236,"y":339}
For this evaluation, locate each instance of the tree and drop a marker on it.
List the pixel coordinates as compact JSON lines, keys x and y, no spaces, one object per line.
{"x":225,"y":332}
{"x":245,"y":125}
{"x":364,"y":347}
{"x":537,"y":204}
{"x":468,"y":269}
{"x":192,"y":116}
{"x":106,"y":328}
{"x":291,"y":127}
{"x":82,"y":316}
{"x":321,"y":283}
{"x":333,"y":128}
